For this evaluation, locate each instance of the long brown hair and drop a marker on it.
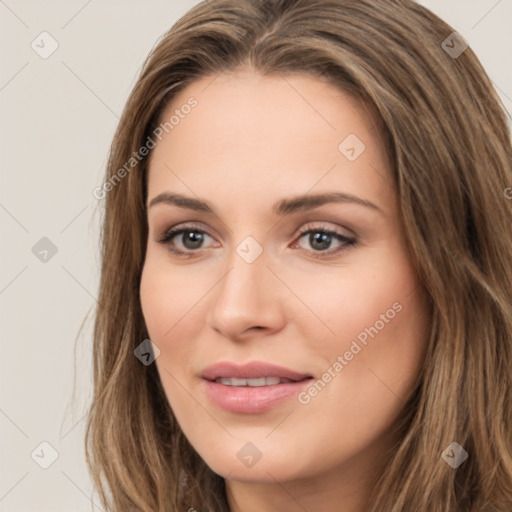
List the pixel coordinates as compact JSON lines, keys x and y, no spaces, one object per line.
{"x":448,"y":140}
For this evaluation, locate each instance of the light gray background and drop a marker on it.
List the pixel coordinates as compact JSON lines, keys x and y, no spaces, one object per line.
{"x":58,"y":116}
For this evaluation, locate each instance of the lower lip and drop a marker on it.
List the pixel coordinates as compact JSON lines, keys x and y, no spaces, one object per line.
{"x":252,"y":400}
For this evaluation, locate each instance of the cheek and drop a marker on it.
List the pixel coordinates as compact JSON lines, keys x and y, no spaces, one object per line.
{"x":174,"y":304}
{"x":171,"y":310}
{"x":167,"y":298}
{"x":380,"y":323}
{"x":354,"y":298}
{"x":395,"y":357}
{"x":381,"y":338}
{"x":364,"y":397}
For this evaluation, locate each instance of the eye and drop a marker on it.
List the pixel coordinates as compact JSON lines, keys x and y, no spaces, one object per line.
{"x":184,"y":240}
{"x":189,"y":239}
{"x":320,"y":239}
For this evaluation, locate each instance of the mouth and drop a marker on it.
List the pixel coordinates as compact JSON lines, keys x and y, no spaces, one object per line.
{"x":254,"y":382}
{"x":251,"y":388}
{"x":251,"y":374}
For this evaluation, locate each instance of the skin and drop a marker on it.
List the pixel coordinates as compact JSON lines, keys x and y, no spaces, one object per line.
{"x":250,"y":142}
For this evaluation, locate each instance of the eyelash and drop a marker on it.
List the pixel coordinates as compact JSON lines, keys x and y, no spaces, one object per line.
{"x":172,"y":233}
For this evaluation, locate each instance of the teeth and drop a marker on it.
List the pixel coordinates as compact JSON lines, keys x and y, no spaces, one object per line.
{"x":262,"y":381}
{"x":269,"y":381}
{"x":259,"y":382}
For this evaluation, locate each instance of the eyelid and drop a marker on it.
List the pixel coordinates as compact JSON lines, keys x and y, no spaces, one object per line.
{"x":322,"y":226}
{"x":185,"y":226}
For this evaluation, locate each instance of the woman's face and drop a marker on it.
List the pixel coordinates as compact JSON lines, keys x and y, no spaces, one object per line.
{"x":290,"y":321}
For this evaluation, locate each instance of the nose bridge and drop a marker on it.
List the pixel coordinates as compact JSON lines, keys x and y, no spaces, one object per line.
{"x":243,"y":284}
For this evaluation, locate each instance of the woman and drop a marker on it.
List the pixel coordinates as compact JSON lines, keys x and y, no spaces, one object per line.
{"x":306,"y":287}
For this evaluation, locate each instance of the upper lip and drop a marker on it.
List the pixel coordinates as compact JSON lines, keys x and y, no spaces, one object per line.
{"x":252,"y":370}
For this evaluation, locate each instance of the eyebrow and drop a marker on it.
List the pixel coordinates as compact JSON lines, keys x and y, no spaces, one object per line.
{"x":282,"y":207}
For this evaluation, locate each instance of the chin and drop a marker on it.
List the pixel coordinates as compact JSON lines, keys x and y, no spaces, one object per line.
{"x":241,"y":462}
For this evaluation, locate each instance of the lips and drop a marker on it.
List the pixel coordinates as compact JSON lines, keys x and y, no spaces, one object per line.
{"x":251,"y":388}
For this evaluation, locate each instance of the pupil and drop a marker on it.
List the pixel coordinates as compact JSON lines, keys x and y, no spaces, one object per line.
{"x":322,"y":238}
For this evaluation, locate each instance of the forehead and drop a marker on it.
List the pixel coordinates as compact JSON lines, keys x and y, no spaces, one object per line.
{"x":245,"y":106}
{"x":273,"y":133}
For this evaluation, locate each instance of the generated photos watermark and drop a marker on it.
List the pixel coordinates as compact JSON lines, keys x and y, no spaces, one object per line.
{"x":312,"y":391}
{"x":137,"y":156}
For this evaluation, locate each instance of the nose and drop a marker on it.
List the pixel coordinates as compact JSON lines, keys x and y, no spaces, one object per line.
{"x":248,"y":300}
